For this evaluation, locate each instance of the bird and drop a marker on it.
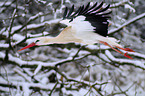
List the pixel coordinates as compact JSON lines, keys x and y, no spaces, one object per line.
{"x":87,"y":25}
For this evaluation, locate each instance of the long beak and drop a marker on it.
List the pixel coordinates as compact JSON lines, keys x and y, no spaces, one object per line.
{"x":28,"y":46}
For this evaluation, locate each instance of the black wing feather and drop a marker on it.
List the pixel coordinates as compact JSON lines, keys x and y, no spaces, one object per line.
{"x":86,"y":8}
{"x":81,"y":10}
{"x":103,"y":9}
{"x":76,"y":13}
{"x":65,"y":13}
{"x":96,"y":15}
{"x":70,"y":12}
{"x":97,"y":7}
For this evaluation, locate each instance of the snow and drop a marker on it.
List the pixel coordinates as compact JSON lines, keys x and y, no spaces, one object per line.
{"x":137,"y":54}
{"x":97,"y":47}
{"x":4,"y":45}
{"x":37,"y":35}
{"x":42,"y":67}
{"x":22,"y":74}
{"x":129,"y":7}
{"x":26,"y":85}
{"x":37,"y":69}
{"x":119,"y":3}
{"x":18,"y":37}
{"x":127,"y":23}
{"x":11,"y":4}
{"x":4,"y":89}
{"x":12,"y":30}
{"x":22,"y":62}
{"x":27,"y":70}
{"x":127,"y":61}
{"x":31,"y":26}
{"x":104,"y":57}
{"x":67,"y":1}
{"x":42,"y":1}
{"x":34,"y":17}
{"x":26,"y":89}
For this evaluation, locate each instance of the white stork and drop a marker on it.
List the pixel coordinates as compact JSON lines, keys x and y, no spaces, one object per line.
{"x":87,"y":25}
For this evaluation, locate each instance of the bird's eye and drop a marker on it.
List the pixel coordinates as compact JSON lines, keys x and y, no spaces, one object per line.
{"x":37,"y":41}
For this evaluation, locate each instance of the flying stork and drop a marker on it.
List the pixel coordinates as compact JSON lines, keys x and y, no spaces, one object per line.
{"x":87,"y":25}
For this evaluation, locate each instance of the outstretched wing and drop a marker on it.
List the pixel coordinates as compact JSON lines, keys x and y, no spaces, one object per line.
{"x":97,"y":15}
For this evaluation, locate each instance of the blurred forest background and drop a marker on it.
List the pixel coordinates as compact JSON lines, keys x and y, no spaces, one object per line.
{"x":69,"y":69}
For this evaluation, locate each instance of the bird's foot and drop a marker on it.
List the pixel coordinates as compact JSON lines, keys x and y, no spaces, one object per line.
{"x":128,"y":49}
{"x":127,"y":56}
{"x":125,"y":49}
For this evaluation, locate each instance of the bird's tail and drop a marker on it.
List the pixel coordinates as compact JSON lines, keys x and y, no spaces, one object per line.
{"x":112,"y":42}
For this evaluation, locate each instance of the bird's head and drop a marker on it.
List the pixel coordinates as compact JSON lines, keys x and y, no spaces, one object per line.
{"x":37,"y":42}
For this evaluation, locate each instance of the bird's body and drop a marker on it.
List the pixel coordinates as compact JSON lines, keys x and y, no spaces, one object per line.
{"x":88,"y":25}
{"x":82,"y":33}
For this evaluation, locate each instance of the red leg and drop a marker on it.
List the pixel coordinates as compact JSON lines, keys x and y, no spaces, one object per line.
{"x":127,"y":56}
{"x":111,"y":47}
{"x":126,"y":49}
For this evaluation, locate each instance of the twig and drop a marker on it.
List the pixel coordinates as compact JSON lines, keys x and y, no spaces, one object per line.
{"x":53,"y":89}
{"x":80,"y":82}
{"x":118,"y":4}
{"x":134,"y":63}
{"x":78,"y":52}
{"x":127,"y":23}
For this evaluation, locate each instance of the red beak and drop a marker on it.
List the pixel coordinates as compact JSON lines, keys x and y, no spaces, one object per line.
{"x":28,"y":46}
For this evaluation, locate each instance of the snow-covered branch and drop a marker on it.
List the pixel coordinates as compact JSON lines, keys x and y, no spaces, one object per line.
{"x":68,"y":69}
{"x":135,"y":63}
{"x":127,"y":23}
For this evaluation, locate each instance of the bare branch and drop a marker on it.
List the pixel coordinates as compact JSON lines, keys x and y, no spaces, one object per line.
{"x":127,"y":23}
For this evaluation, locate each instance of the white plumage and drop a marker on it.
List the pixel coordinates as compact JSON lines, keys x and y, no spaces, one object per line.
{"x":88,"y":25}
